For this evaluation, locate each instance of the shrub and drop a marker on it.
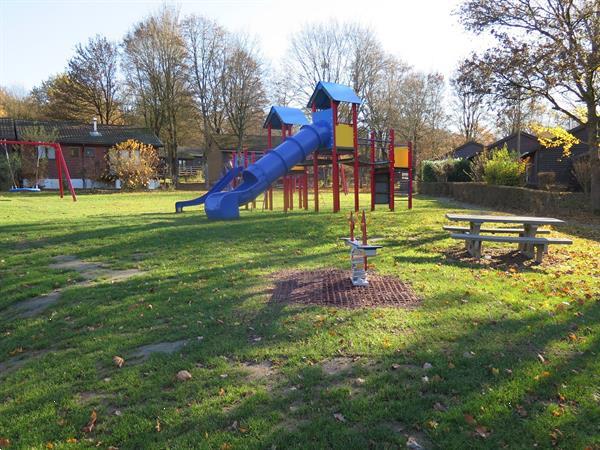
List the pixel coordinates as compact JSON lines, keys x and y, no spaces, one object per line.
{"x":504,"y":169}
{"x":546,"y":179}
{"x":477,"y":167}
{"x":132,"y":162}
{"x":428,"y":172}
{"x":582,"y":171}
{"x":450,"y":169}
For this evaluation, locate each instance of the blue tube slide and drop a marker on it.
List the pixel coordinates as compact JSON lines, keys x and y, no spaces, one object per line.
{"x":218,"y":187}
{"x":259,"y":176}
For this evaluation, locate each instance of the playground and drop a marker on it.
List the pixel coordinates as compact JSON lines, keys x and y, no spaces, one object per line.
{"x":125,"y":325}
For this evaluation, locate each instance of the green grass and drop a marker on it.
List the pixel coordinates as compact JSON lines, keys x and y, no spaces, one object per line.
{"x":481,"y":326}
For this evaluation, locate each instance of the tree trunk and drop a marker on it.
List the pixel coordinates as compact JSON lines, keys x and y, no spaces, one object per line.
{"x":595,"y":160}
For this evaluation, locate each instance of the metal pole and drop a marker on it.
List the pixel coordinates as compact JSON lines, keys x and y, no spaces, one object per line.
{"x":270,"y":145}
{"x":356,"y":166}
{"x":335,"y":174}
{"x":66,"y":172}
{"x":392,"y":169}
{"x":285,"y":177}
{"x":372,"y":171}
{"x":410,"y":175}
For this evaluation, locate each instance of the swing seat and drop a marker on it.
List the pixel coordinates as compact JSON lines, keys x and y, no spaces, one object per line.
{"x":25,"y":189}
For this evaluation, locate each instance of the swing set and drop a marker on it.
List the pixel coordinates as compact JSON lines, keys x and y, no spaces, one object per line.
{"x":61,"y":167}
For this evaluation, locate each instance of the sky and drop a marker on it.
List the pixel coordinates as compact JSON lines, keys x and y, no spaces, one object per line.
{"x":37,"y":37}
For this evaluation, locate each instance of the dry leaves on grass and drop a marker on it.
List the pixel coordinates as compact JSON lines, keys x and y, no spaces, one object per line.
{"x":482,"y":432}
{"x":90,"y":426}
{"x":118,"y":361}
{"x":184,"y":375}
{"x":4,"y":443}
{"x":339,"y":417}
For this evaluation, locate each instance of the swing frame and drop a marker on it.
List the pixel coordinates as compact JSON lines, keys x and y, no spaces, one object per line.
{"x":61,"y":165}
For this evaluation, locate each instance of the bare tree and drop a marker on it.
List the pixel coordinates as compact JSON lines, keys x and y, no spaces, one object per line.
{"x":421,"y":109}
{"x":206,"y":48}
{"x":347,"y":53}
{"x":92,"y":72}
{"x":469,"y":99}
{"x":243,"y":92}
{"x":154,"y":62}
{"x":549,"y":49}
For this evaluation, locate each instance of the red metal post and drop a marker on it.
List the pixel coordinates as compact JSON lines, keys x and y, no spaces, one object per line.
{"x":315,"y":170}
{"x":291,"y":179}
{"x":252,"y":161}
{"x":363,"y":225}
{"x":285,"y":177}
{"x":410,"y":174}
{"x":372,"y":171}
{"x":305,"y":188}
{"x":356,"y":166}
{"x":66,"y":172}
{"x":392,"y":169}
{"x":270,"y":145}
{"x":335,"y":174}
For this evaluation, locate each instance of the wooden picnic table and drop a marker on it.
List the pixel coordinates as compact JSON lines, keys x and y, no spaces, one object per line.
{"x":527,"y":239}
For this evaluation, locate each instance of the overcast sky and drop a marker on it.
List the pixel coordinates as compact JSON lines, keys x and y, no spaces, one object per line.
{"x":37,"y":37}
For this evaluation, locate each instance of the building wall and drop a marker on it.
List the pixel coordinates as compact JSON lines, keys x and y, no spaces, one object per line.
{"x":87,"y":162}
{"x":552,"y":160}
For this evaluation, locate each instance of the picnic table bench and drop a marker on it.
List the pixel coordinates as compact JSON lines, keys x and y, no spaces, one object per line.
{"x":527,"y":231}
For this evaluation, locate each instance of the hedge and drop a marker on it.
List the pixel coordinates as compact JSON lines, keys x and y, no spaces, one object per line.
{"x":509,"y":197}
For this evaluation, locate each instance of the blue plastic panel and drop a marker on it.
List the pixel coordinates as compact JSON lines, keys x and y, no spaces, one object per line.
{"x":284,"y":115}
{"x":326,"y":91}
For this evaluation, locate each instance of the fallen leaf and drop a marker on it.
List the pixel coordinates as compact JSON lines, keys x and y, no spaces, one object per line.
{"x":439,"y":407}
{"x":521,"y":411}
{"x":482,"y":431}
{"x":339,"y":417}
{"x":572,"y":337}
{"x":90,"y":426}
{"x":16,"y":351}
{"x":184,"y":375}
{"x":226,"y":446}
{"x":157,"y":426}
{"x":221,"y":392}
{"x":541,"y":359}
{"x":432,"y":424}
{"x":71,"y":440}
{"x":412,"y":444}
{"x":451,"y":365}
{"x":118,"y":361}
{"x":427,"y":366}
{"x":49,"y":445}
{"x":469,"y":419}
{"x":494,"y":371}
{"x":4,"y":442}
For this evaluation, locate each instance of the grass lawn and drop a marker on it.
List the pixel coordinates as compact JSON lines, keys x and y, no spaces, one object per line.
{"x":513,"y":349}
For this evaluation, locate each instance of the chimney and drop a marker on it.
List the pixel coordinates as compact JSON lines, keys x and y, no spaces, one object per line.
{"x":95,"y":131}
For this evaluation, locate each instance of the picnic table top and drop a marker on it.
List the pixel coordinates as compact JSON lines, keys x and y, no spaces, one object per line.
{"x":503,"y":219}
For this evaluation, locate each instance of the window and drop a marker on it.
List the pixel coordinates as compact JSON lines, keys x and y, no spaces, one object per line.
{"x":46,"y":152}
{"x":74,"y":152}
{"x":90,"y":152}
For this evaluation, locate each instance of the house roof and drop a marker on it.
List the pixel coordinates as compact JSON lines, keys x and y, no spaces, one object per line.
{"x":81,"y":133}
{"x":467,"y":150}
{"x":251,"y":142}
{"x":325,"y":92}
{"x":189,"y":152}
{"x":7,"y":129}
{"x":524,"y":150}
{"x":283,"y":115}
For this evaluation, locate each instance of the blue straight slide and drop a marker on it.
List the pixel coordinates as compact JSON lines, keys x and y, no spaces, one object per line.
{"x":218,"y":187}
{"x":259,"y":176}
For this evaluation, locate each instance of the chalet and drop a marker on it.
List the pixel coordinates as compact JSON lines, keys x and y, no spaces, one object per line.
{"x":468,"y":150}
{"x":553,"y":160}
{"x":84,"y":147}
{"x":523,"y":143}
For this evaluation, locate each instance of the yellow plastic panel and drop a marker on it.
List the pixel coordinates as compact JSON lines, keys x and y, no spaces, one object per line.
{"x":401,"y":157}
{"x":344,"y":135}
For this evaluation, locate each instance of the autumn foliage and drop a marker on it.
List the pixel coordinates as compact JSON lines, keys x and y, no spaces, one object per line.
{"x":132,"y":162}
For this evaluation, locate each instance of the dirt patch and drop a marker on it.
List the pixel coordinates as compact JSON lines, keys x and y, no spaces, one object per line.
{"x":19,"y":361}
{"x":332,"y":287}
{"x":90,"y":270}
{"x":35,"y":306}
{"x":258,"y":371}
{"x":84,"y":398}
{"x":144,"y":352}
{"x":336,"y":366}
